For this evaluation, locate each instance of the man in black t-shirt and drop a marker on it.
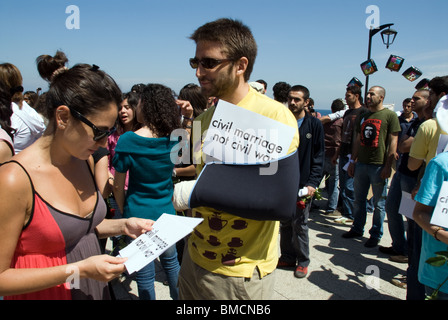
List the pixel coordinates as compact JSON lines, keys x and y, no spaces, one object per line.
{"x":353,"y":99}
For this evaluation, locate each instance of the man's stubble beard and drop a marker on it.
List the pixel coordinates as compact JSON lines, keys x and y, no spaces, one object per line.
{"x":221,"y":87}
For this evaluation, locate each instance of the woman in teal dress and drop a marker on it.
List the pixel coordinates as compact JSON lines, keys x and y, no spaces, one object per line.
{"x":148,"y":154}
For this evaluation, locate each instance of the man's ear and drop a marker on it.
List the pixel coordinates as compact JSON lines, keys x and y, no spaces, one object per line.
{"x":307,"y":102}
{"x":242,"y":65}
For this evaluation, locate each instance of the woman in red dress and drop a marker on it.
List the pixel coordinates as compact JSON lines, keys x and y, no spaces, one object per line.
{"x":51,"y":212}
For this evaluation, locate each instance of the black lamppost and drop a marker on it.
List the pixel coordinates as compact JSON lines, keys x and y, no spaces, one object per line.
{"x":388,"y":37}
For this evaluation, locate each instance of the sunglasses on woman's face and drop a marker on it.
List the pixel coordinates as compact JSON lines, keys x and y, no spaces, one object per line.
{"x":98,"y":134}
{"x":207,"y":63}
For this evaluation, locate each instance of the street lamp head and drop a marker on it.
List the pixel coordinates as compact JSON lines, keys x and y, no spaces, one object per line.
{"x":388,"y":36}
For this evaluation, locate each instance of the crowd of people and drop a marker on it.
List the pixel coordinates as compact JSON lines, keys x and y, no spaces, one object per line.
{"x":83,"y":162}
{"x":389,"y":152}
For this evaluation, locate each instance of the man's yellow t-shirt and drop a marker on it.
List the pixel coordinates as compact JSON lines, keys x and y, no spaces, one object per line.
{"x":426,"y":141}
{"x":227,"y":244}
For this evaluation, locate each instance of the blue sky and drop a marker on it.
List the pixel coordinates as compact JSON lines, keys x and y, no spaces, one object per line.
{"x":319,"y":44}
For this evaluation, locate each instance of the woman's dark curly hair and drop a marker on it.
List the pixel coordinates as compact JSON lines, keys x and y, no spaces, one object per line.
{"x":159,"y":109}
{"x":5,"y":110}
{"x":281,"y":90}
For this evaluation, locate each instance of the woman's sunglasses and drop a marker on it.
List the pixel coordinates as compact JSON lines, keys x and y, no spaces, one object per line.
{"x":98,"y":134}
{"x":207,"y":63}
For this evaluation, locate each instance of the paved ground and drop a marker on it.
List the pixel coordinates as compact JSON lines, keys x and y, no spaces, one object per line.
{"x":340,"y":269}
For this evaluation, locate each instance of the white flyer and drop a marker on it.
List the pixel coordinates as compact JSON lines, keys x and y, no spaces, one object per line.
{"x":440,"y":213}
{"x":166,"y":231}
{"x":407,"y":205}
{"x":240,"y":136}
{"x":442,"y":146}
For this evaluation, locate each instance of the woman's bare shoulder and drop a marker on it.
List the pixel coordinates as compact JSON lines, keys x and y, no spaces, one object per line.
{"x":13,"y":177}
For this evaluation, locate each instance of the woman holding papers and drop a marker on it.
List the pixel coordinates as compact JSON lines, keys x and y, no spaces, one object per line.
{"x":51,"y":211}
{"x":149,"y":155}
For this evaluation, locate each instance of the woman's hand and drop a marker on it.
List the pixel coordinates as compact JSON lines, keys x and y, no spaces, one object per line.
{"x":134,"y":227}
{"x":101,"y":268}
{"x":186,"y":109}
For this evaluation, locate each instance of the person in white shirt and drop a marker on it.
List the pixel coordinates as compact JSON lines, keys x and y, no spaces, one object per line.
{"x":29,"y":126}
{"x":27,"y":123}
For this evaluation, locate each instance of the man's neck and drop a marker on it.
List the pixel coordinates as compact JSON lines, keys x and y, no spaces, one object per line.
{"x":300,"y":115}
{"x":376,"y":108}
{"x":356,"y":105}
{"x":238,"y":94}
{"x":420,"y":114}
{"x":408,"y":117}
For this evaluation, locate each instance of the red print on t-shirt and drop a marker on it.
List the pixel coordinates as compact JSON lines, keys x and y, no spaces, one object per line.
{"x":370,"y":131}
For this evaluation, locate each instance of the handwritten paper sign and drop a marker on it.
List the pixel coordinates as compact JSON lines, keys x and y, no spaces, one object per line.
{"x":167,"y":230}
{"x":240,"y":136}
{"x":440,"y":214}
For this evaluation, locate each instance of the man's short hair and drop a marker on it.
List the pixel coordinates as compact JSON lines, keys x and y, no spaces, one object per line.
{"x":424,"y":91}
{"x":381,"y":91}
{"x":406,"y":101}
{"x":235,"y":37}
{"x":303,"y":89}
{"x":439,"y":85}
{"x":356,"y":90}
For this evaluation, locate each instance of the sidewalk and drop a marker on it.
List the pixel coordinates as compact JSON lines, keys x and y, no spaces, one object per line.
{"x":340,"y":269}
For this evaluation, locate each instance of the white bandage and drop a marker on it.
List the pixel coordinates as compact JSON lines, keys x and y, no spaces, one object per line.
{"x":181,"y":194}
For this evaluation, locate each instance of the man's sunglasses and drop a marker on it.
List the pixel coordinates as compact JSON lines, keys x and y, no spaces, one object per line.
{"x":207,"y":63}
{"x":98,"y":134}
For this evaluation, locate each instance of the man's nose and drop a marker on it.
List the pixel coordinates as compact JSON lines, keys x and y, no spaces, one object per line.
{"x":199,"y":71}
